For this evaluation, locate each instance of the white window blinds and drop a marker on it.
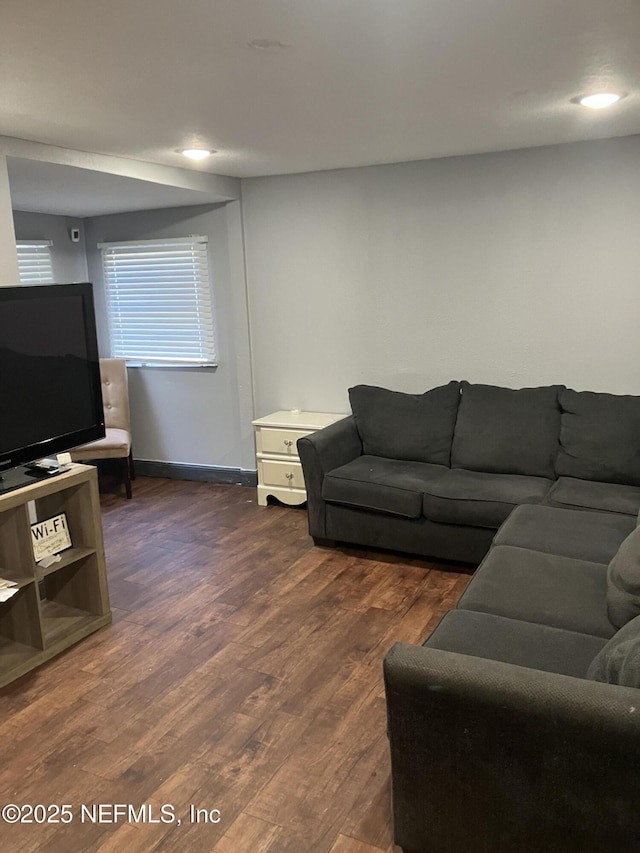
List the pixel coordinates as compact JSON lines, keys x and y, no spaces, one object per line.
{"x":159,"y":301}
{"x":34,"y":261}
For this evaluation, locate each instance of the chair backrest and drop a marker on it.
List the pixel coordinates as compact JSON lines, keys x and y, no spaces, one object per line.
{"x":115,"y":393}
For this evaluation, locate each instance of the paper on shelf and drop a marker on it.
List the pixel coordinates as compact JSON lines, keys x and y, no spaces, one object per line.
{"x":45,"y":562}
{"x":7,"y":589}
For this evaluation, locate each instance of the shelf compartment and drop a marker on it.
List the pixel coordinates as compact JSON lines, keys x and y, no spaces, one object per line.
{"x":68,"y":624}
{"x":68,"y":558}
{"x":75,"y":585}
{"x":83,"y":519}
{"x":19,"y":624}
{"x":70,"y":599}
{"x":17,"y":659}
{"x":19,"y":581}
{"x":16,"y":562}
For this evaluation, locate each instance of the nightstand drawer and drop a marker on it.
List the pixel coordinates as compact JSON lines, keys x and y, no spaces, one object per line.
{"x":280,"y":441}
{"x":285,"y":474}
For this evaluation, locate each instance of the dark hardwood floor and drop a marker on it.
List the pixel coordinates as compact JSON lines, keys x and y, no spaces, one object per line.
{"x":242,"y":674}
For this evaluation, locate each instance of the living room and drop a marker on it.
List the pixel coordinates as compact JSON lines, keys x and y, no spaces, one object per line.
{"x":374,"y":270}
{"x":508,"y":260}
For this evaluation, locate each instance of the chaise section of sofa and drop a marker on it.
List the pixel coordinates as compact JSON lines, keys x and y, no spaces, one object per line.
{"x":502,"y":716}
{"x":492,"y":756}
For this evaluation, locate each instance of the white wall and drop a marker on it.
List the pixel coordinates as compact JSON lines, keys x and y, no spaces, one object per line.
{"x":196,"y":416}
{"x":517,"y":268}
{"x":68,"y":259}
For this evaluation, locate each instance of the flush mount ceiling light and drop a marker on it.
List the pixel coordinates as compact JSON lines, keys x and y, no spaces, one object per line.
{"x":599,"y":100}
{"x":196,"y":153}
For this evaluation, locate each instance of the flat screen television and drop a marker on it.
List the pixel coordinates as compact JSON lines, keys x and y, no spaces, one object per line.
{"x":50,"y":390}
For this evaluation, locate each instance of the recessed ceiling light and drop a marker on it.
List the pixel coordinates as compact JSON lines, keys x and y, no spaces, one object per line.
{"x":600,"y":100}
{"x":196,"y":153}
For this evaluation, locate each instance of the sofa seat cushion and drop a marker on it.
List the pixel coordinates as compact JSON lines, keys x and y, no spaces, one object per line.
{"x":384,"y":485}
{"x":588,"y":494}
{"x":413,"y":427}
{"x":599,"y":437}
{"x":506,"y":431}
{"x":592,"y":536}
{"x":485,"y":635}
{"x":543,"y":588}
{"x":478,"y":499}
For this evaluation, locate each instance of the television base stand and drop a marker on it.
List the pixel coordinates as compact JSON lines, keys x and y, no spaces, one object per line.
{"x":25,"y":475}
{"x":49,"y":465}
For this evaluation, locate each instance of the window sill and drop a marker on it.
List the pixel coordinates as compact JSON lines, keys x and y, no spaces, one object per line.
{"x":171,"y":366}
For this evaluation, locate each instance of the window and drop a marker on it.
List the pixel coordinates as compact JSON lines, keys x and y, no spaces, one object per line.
{"x":159,"y":301}
{"x":34,"y":261}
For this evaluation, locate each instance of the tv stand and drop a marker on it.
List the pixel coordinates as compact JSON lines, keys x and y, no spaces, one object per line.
{"x":56,"y":606}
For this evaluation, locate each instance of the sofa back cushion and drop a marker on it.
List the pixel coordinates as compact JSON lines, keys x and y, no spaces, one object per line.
{"x":619,"y":661}
{"x":414,"y":427}
{"x":623,"y":581}
{"x":600,"y":437}
{"x":506,"y":431}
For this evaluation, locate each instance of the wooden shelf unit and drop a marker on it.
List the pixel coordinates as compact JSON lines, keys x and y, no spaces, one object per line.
{"x":58,"y":606}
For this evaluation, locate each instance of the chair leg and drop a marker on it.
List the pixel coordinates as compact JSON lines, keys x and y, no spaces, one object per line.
{"x":126,"y":476}
{"x":132,"y":470}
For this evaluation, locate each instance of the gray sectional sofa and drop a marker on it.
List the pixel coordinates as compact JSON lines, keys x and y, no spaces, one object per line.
{"x":516,"y":726}
{"x":437,"y":473}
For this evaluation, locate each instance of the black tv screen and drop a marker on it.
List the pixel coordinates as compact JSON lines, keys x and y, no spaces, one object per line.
{"x":50,"y":391}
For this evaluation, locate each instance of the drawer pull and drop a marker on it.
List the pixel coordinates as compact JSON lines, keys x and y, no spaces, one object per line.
{"x":289,"y":475}
{"x":288,"y":442}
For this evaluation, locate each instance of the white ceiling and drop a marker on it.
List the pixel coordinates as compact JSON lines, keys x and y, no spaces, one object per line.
{"x":356,"y":82}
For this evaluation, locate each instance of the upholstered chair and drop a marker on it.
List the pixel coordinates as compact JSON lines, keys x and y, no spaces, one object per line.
{"x":117,"y":442}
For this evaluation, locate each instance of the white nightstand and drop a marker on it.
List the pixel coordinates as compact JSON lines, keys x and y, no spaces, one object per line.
{"x":279,"y":468}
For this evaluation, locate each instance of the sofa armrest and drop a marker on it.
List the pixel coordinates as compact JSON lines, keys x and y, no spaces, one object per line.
{"x":488,"y":757}
{"x":320,"y":452}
